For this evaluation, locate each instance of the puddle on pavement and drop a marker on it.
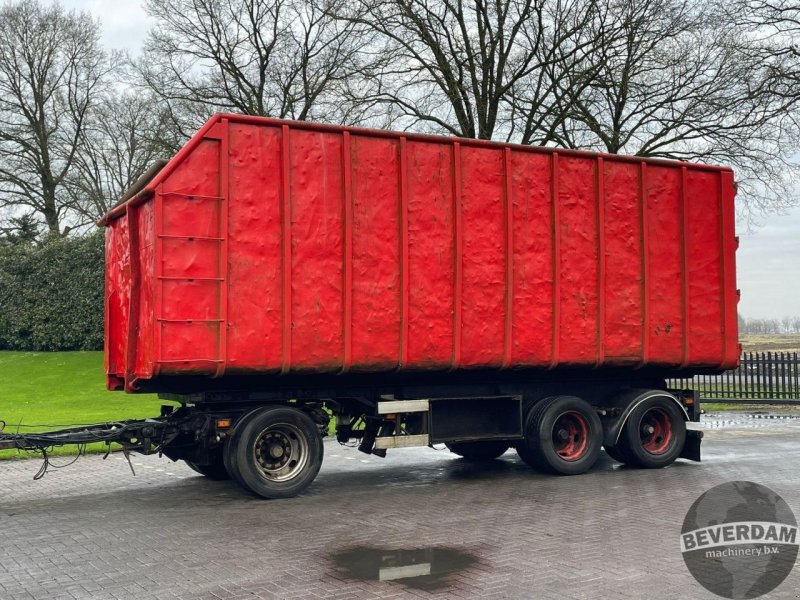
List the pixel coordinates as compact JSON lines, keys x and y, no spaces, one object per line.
{"x":424,"y":569}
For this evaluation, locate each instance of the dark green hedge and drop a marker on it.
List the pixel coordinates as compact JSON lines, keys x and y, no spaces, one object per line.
{"x":51,"y":295}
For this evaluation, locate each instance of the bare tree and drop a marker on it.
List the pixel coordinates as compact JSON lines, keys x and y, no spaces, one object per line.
{"x":775,"y":24}
{"x":778,"y":22}
{"x":51,"y":70}
{"x":680,"y":79}
{"x":281,"y":58}
{"x":127,"y":133}
{"x":784,"y":325}
{"x":539,"y":104}
{"x":474,"y":69}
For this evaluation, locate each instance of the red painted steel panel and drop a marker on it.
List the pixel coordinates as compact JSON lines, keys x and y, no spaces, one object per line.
{"x":189,"y":257}
{"x":189,"y":206}
{"x":254,"y":249}
{"x":601,"y":261}
{"x":431,"y":255}
{"x":732,"y":348}
{"x":187,"y":344}
{"x":146,"y":351}
{"x":624,"y":277}
{"x":223,"y":289}
{"x":577,"y":261}
{"x":665,"y":329}
{"x":483,"y":257}
{"x":532,"y":295}
{"x":706,"y":339}
{"x":347,"y":258}
{"x":286,"y":252}
{"x":645,"y":219}
{"x":190,"y":300}
{"x":458,"y":241}
{"x":117,"y":294}
{"x":316,"y":192}
{"x":508,"y":214}
{"x":404,"y":284}
{"x":267,"y":246}
{"x":376,"y":253}
{"x":197,"y":175}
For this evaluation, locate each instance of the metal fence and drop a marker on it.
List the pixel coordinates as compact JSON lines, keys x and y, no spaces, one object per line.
{"x":762,"y":378}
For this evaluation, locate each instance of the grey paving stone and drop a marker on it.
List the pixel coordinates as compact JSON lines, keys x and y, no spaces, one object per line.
{"x":95,"y":532}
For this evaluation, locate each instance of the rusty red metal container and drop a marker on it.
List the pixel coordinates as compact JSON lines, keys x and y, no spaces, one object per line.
{"x":270,"y":247}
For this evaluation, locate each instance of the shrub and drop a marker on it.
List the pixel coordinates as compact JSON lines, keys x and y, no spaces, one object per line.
{"x":51,"y":295}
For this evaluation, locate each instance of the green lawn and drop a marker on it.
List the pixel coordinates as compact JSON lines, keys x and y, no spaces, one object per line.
{"x":54,"y":389}
{"x":709,"y":406}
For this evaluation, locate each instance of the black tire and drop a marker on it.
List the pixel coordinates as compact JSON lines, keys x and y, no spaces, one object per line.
{"x":275,"y":452}
{"x":479,"y":451}
{"x":215,"y":470}
{"x":563,"y":435}
{"x":654,"y":434}
{"x":230,"y":463}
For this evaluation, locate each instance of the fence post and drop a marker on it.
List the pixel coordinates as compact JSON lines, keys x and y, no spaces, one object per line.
{"x":782,"y":376}
{"x":742,"y":373}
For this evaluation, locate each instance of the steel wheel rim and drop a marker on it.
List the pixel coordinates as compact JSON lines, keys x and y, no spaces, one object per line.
{"x":281,"y":452}
{"x":570,"y":436}
{"x":655,"y":431}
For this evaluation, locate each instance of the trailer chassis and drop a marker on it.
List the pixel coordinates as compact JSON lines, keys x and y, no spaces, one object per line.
{"x":274,"y":447}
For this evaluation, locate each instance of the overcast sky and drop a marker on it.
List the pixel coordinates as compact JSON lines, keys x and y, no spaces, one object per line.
{"x":768,"y":261}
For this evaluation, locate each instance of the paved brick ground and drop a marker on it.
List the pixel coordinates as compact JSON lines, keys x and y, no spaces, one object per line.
{"x":94,"y":531}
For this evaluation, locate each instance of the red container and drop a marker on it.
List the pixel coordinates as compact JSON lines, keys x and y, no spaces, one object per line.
{"x":269,"y":247}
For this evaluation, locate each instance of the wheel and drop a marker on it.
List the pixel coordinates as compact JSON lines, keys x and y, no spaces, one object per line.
{"x":215,"y":470}
{"x":230,"y":462}
{"x":274,"y":452}
{"x":563,"y":435}
{"x":479,"y":451}
{"x":654,"y":434}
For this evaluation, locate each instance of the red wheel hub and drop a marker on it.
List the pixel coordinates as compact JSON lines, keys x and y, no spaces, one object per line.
{"x":570,"y":435}
{"x":655,"y":431}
